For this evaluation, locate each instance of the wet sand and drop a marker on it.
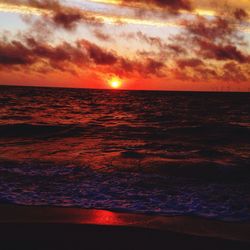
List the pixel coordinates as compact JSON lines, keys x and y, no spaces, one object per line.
{"x":23,"y":227}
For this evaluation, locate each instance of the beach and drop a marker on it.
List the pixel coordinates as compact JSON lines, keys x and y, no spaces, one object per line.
{"x":24,"y":227}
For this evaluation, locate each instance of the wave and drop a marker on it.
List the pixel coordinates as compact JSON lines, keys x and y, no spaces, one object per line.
{"x":58,"y":185}
{"x":208,"y":129}
{"x":214,"y":130}
{"x":150,"y":152}
{"x":33,"y":130}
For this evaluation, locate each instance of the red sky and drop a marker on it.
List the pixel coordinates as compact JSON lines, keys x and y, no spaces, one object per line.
{"x":155,"y":44}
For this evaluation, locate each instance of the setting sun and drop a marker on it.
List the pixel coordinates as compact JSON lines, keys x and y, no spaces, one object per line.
{"x":115,"y":83}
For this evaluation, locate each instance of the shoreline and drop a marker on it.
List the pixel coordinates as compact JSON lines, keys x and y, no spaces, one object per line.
{"x":185,"y":225}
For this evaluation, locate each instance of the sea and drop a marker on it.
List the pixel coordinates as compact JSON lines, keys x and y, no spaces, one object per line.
{"x":149,"y":152}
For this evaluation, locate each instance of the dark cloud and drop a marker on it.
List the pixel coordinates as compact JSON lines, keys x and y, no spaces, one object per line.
{"x":97,"y":54}
{"x":30,"y":52}
{"x":171,"y":5}
{"x":162,"y":49}
{"x":194,"y":62}
{"x":153,"y":67}
{"x":215,"y":46}
{"x":126,"y":66}
{"x":153,"y":41}
{"x":222,"y":53}
{"x":192,"y":70}
{"x":64,"y":52}
{"x":14,"y":53}
{"x":60,"y":15}
{"x":67,"y":20}
{"x":177,"y":49}
{"x":39,"y":56}
{"x":143,"y":66}
{"x":207,"y":49}
{"x":217,"y":38}
{"x":233,"y":72}
{"x":102,"y":35}
{"x":218,"y":28}
{"x":240,"y":14}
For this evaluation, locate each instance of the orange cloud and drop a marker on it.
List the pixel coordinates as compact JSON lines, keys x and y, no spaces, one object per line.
{"x":218,"y":52}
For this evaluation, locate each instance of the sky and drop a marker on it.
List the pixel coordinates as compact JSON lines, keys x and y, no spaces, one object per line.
{"x":194,"y":45}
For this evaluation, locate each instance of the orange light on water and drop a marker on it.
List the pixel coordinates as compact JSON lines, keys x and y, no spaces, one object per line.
{"x":102,"y":217}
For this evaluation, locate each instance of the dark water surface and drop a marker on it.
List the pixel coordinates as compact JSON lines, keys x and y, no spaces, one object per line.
{"x":154,"y":152}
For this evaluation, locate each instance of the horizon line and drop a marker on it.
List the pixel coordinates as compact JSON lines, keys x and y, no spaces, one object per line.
{"x":119,"y":90}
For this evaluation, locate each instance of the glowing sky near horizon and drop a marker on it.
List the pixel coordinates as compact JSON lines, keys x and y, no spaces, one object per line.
{"x":146,"y":44}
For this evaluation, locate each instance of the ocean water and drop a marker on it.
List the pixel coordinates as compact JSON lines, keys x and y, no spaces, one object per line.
{"x":164,"y":153}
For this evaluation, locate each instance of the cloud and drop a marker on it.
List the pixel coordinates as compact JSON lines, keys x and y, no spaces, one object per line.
{"x":206,"y":49}
{"x":36,"y":55}
{"x":14,"y":53}
{"x":39,"y":56}
{"x":216,"y":28}
{"x":57,"y":14}
{"x":153,"y":67}
{"x":240,"y":14}
{"x":170,"y":5}
{"x":216,"y":47}
{"x":67,"y":20}
{"x":151,"y":40}
{"x":63,"y":52}
{"x":196,"y":71}
{"x":233,"y":72}
{"x":222,"y":53}
{"x":97,"y":54}
{"x":193,"y":62}
{"x":217,"y":38}
{"x":102,"y":36}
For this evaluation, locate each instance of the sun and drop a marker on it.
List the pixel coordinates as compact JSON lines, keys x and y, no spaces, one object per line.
{"x":115,"y":83}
